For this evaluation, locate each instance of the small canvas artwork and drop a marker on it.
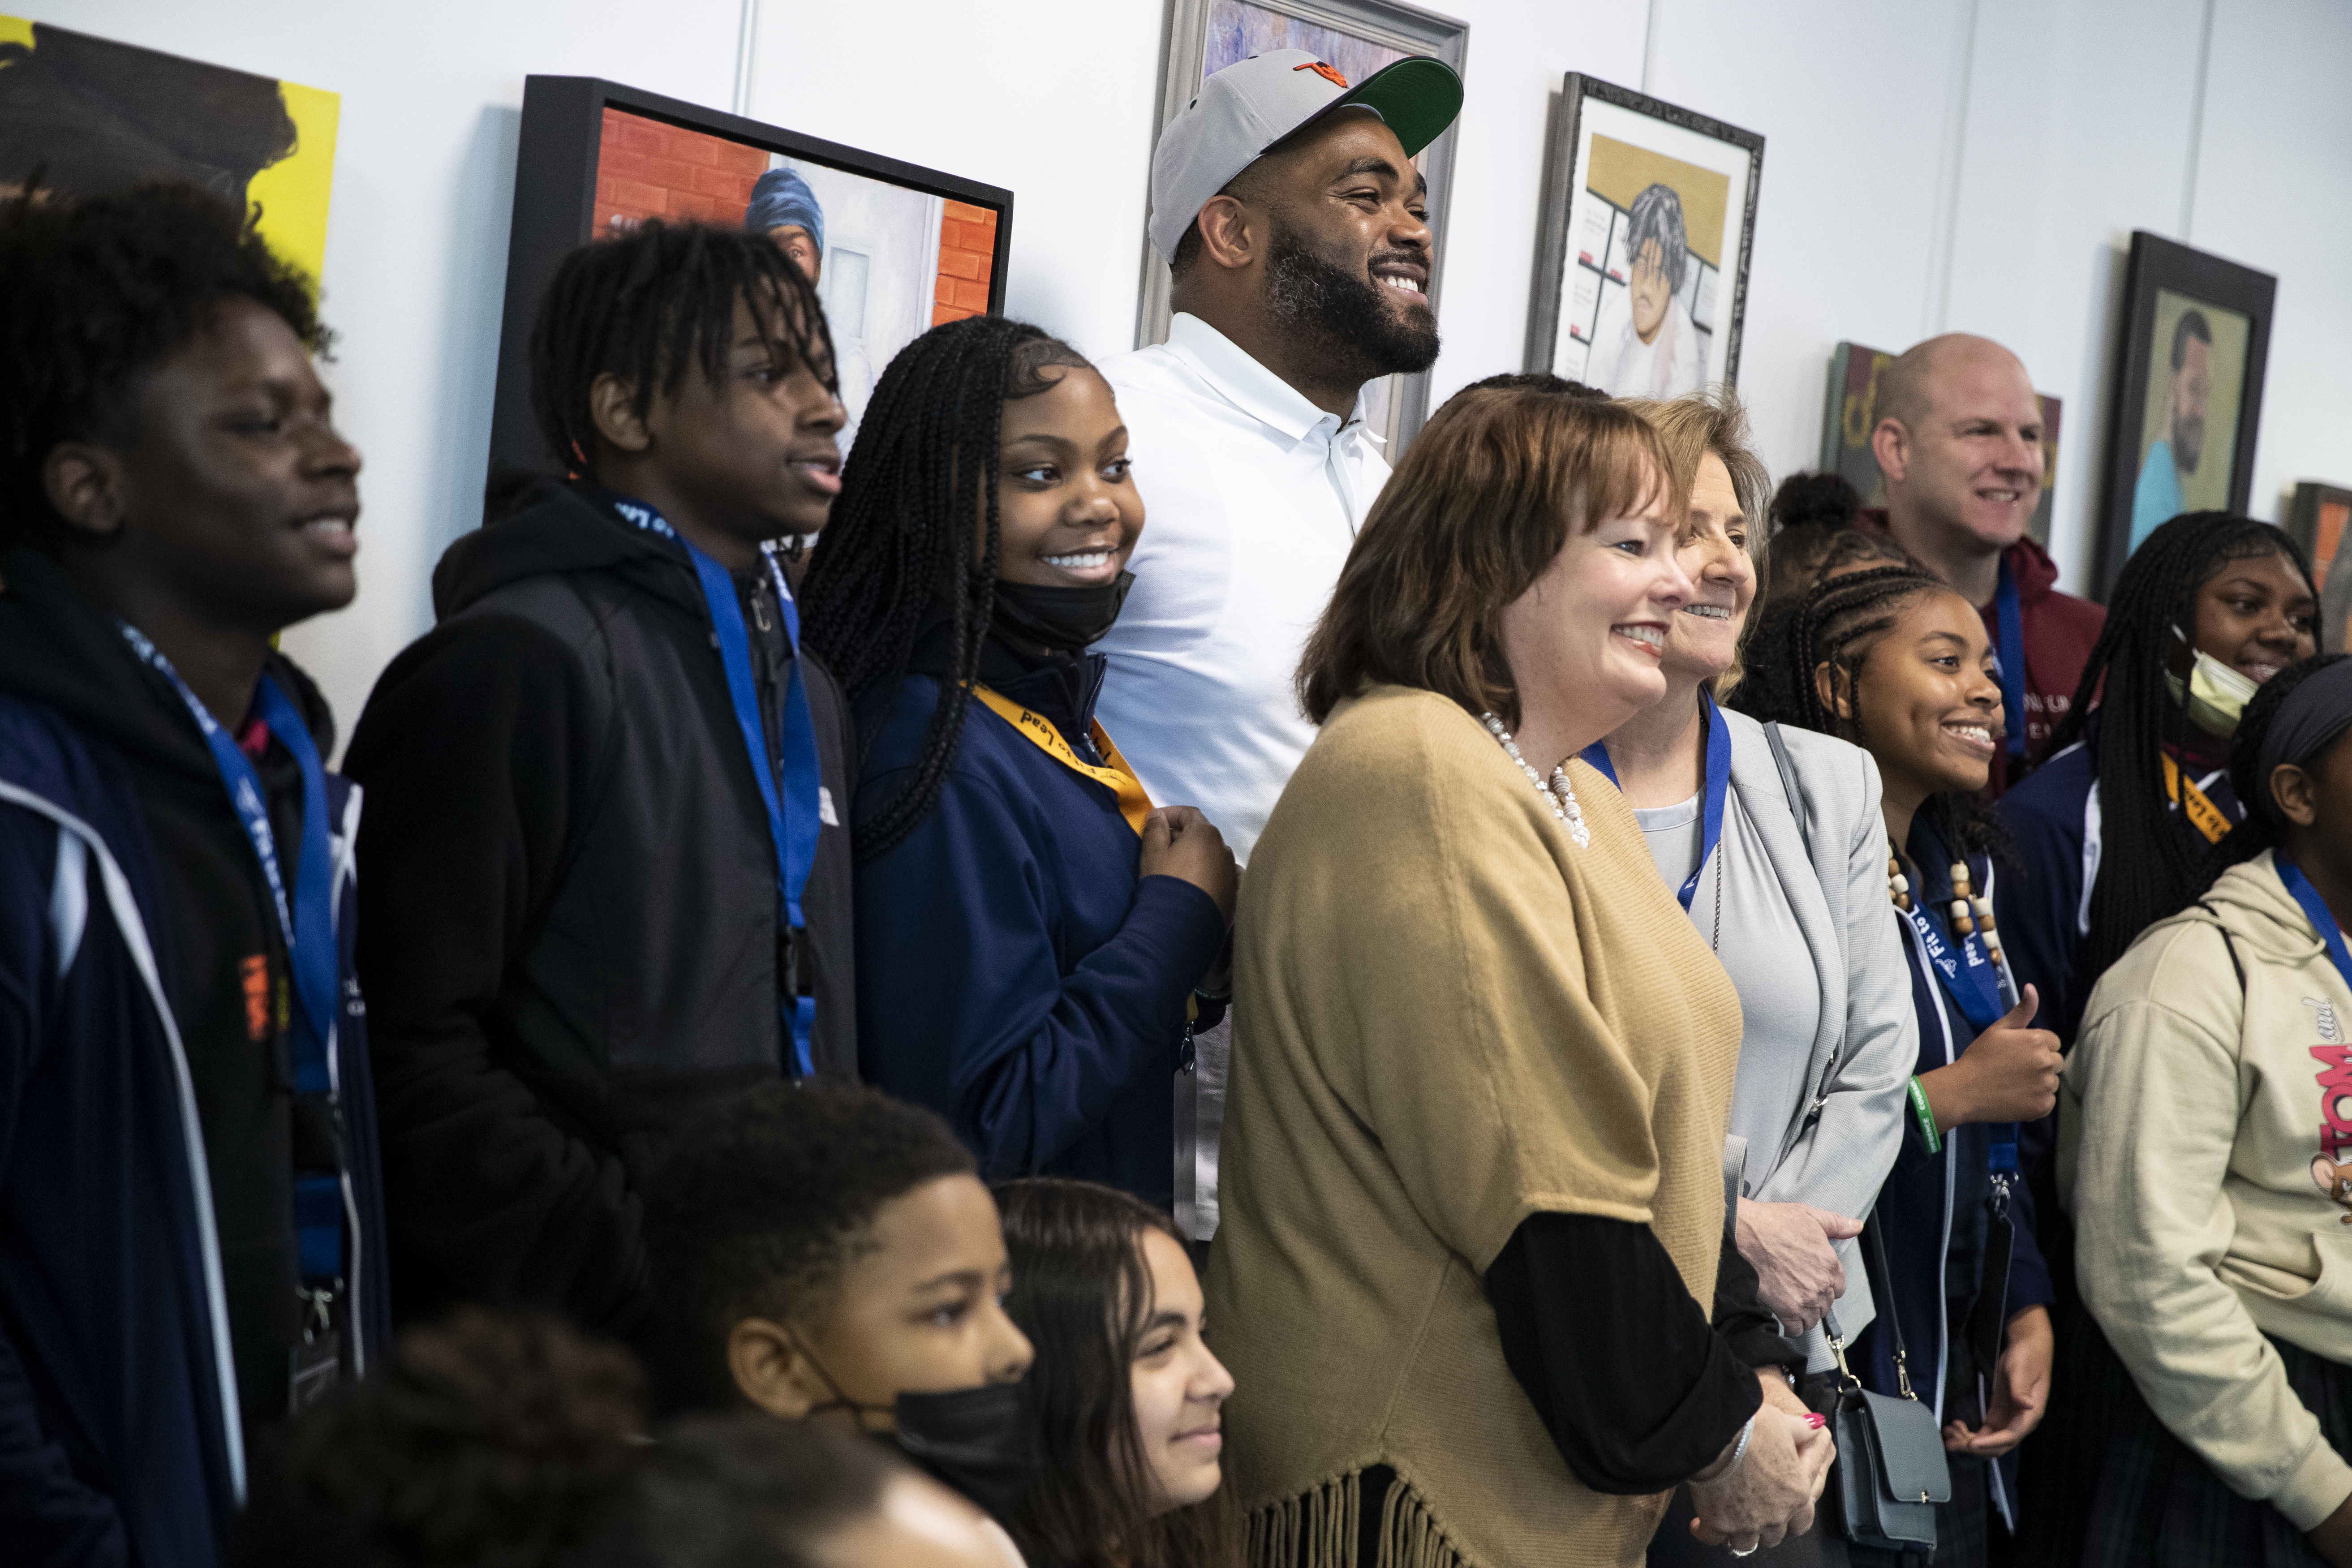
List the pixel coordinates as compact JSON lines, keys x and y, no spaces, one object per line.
{"x":889,"y":262}
{"x":1853,"y":415}
{"x":1642,"y":262}
{"x":87,"y":115}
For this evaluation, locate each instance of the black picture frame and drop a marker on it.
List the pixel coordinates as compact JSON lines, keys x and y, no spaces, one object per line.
{"x":2158,"y":266}
{"x":555,"y":200}
{"x":1549,"y":299}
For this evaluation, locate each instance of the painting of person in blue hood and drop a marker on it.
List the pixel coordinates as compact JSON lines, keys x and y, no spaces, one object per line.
{"x":784,"y":209}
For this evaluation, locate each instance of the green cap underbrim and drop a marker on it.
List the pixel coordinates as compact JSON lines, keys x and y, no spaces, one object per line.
{"x":1418,"y":96}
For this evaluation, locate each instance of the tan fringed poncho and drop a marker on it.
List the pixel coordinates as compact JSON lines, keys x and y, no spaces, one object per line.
{"x":1450,"y":1018}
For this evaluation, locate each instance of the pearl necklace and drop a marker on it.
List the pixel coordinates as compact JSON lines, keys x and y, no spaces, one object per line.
{"x":1559,"y":794}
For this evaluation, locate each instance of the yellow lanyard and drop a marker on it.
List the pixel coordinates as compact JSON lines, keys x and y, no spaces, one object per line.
{"x":2209,"y":819}
{"x":1119,"y":778}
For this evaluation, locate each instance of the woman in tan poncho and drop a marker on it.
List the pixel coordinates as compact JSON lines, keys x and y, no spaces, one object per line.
{"x":1483,"y":1063}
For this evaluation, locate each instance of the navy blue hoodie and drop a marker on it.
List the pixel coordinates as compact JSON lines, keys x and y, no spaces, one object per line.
{"x":146,"y":1244}
{"x":1013,"y":974}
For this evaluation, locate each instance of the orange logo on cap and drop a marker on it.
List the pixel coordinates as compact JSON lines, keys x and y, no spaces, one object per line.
{"x":1325,"y":71}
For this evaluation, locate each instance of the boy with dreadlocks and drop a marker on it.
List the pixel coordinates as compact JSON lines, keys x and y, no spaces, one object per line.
{"x":189,"y":1233}
{"x":1893,"y":659}
{"x":980,"y":550}
{"x":606,"y":877}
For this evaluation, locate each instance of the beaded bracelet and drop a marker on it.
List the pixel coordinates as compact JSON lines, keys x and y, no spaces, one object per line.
{"x":1926,"y":1114}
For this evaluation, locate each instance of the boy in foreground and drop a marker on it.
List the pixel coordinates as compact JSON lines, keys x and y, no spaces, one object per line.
{"x":606,"y":879}
{"x":824,"y":1250}
{"x":189,"y":1241}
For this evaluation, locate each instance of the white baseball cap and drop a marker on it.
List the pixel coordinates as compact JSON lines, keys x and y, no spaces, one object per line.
{"x":1246,"y":108}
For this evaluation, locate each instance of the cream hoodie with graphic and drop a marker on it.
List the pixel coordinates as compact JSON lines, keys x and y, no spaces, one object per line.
{"x":2194,"y":1121}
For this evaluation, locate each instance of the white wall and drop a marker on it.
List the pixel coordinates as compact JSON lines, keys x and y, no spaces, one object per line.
{"x":1965,"y":164}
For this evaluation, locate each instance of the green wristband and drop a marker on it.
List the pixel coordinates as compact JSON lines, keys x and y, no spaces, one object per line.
{"x":1926,"y":1114}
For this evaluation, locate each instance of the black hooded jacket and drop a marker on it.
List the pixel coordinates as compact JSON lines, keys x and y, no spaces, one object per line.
{"x":569,"y":933}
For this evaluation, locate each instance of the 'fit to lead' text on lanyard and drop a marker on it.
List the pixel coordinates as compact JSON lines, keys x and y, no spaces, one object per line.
{"x":792,"y":808}
{"x":306,"y":919}
{"x":1972,"y":979}
{"x":1039,"y":732}
{"x":1718,"y":789}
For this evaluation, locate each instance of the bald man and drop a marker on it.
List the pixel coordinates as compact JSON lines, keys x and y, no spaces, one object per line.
{"x":1959,"y":442}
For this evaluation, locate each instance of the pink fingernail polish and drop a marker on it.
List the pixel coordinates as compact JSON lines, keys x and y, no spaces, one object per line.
{"x":1817,"y":1421}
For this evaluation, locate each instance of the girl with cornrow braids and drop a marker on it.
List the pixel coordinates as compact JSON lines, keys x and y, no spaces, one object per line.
{"x":1031,"y":931}
{"x":1893,"y":661}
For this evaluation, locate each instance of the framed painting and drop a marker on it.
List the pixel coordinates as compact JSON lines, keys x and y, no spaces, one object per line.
{"x":86,"y":115}
{"x":2316,"y":517}
{"x":894,"y":249}
{"x":2188,"y":393}
{"x":1648,"y":219}
{"x":1852,"y":414}
{"x":1356,"y":37}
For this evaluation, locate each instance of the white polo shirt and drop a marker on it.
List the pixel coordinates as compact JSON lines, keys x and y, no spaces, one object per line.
{"x":1252,"y":496}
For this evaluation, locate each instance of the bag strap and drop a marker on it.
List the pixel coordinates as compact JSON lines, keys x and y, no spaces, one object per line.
{"x":1876,"y":1241}
{"x":2229,"y":943}
{"x":1788,"y":784}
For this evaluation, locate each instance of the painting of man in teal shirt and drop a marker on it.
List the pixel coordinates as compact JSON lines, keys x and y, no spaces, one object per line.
{"x":2173,"y":456}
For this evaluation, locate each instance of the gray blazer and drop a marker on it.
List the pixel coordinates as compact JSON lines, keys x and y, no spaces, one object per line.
{"x":1843,"y":1139}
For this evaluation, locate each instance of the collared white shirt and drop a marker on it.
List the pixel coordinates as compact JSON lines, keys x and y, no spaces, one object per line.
{"x":1252,"y":497}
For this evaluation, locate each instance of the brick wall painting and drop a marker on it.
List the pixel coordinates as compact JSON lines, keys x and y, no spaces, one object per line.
{"x":646,"y":169}
{"x":967,"y":260}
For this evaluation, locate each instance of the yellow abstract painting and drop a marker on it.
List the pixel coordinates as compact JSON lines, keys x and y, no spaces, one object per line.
{"x":85,"y":114}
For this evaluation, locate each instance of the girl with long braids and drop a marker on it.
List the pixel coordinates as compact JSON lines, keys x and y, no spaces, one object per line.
{"x":1893,"y":661}
{"x":1030,"y":930}
{"x":2208,"y":1392}
{"x":1127,"y":1397}
{"x":2207,"y":609}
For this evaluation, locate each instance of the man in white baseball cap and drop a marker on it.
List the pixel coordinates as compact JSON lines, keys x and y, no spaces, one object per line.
{"x":1287,"y":203}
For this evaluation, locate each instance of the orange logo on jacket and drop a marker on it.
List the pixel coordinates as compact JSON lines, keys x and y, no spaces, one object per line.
{"x":254,"y":972}
{"x":1325,"y":71}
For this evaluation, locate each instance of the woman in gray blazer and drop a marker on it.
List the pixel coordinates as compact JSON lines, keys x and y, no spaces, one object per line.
{"x":1774,"y":844}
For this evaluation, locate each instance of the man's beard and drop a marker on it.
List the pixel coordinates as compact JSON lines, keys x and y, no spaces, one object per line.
{"x":2188,"y":441}
{"x":1345,"y":315}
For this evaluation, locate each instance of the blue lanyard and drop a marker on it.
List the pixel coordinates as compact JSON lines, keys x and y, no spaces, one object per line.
{"x":307,"y":922}
{"x":792,"y":810}
{"x":2314,"y":909}
{"x":2011,"y":619}
{"x":1968,"y":975}
{"x":1718,"y":789}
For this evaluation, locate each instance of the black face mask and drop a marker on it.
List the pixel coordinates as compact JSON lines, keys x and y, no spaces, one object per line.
{"x":1063,"y":619}
{"x":975,"y":1441}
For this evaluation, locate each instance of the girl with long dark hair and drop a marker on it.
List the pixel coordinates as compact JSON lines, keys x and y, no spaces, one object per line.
{"x":1896,"y":662}
{"x":2208,"y":608}
{"x":1030,"y":930}
{"x":2207,"y":1391}
{"x":1127,"y":1397}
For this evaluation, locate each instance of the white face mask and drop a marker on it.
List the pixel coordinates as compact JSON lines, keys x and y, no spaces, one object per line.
{"x":2215,"y":694}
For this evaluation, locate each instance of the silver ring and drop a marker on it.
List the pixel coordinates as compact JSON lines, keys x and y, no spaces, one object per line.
{"x":1745,"y":1550}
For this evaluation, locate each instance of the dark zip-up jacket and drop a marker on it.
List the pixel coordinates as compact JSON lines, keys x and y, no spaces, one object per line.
{"x":1015,"y":975}
{"x":148,"y":1133}
{"x":572,"y":936}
